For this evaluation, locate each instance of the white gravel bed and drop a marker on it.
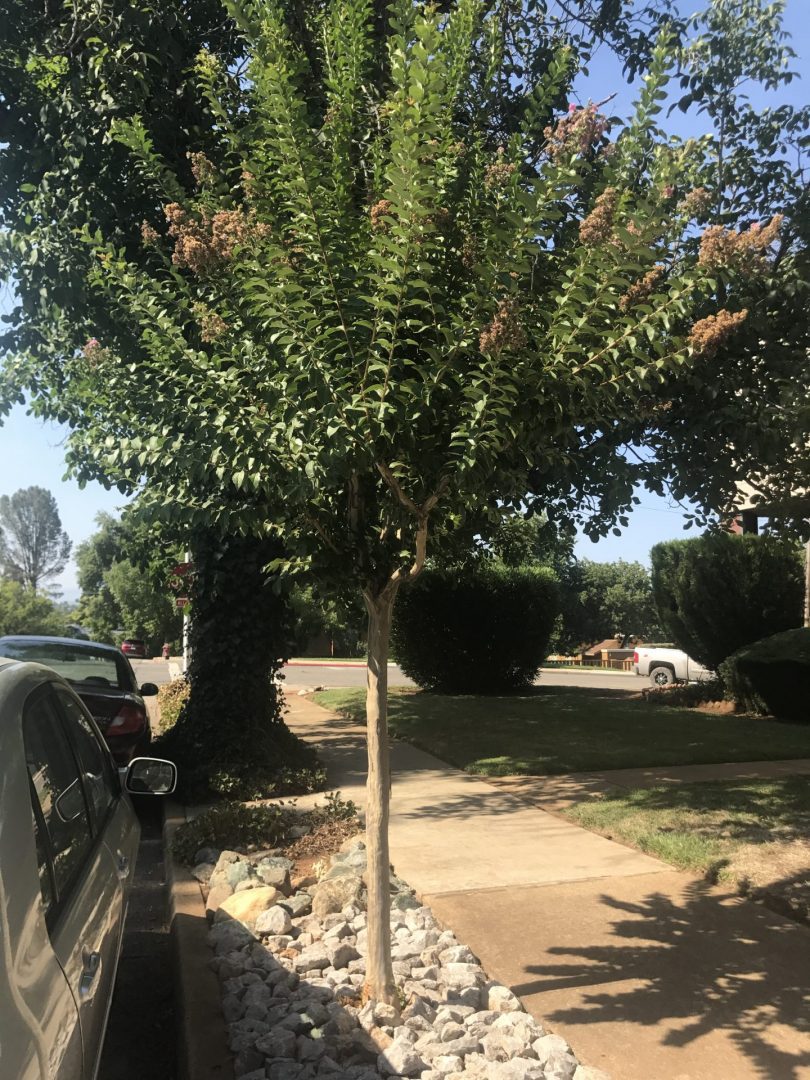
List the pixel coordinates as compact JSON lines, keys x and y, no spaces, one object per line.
{"x":292,"y":969}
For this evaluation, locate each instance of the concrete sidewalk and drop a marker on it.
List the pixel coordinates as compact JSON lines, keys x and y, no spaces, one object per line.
{"x":649,"y":973}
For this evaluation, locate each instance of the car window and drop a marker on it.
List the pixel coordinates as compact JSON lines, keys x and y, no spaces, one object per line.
{"x":44,"y":862}
{"x":59,"y":792}
{"x":83,"y":665}
{"x":100,"y":777}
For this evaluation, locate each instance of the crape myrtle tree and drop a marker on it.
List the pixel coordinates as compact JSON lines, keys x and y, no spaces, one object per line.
{"x":750,"y":421}
{"x":371,"y":316}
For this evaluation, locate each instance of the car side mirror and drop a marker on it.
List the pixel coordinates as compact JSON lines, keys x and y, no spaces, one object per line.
{"x":148,"y":689}
{"x":151,"y":776}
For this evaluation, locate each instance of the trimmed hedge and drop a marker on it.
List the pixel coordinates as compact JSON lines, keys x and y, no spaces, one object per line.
{"x":772,"y":676}
{"x":476,"y":631}
{"x":720,"y":592}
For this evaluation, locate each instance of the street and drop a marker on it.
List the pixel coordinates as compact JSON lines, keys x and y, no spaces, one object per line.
{"x":299,"y":675}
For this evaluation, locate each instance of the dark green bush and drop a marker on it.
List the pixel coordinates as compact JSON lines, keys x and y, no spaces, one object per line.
{"x":477,"y":631}
{"x":719,"y":592}
{"x":687,"y":695}
{"x":233,"y":826}
{"x":772,"y":676}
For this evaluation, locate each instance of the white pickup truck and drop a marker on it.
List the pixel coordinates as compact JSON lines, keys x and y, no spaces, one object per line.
{"x":666,"y":666}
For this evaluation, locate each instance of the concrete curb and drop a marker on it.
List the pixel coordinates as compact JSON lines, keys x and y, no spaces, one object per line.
{"x":202,"y":1049}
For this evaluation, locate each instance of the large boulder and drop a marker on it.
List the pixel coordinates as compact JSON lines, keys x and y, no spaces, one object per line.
{"x":333,"y":895}
{"x":246,"y":907}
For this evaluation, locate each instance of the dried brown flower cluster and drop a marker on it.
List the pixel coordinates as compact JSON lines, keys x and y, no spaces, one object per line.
{"x":695,"y":202}
{"x":707,"y":335}
{"x":212,"y":325}
{"x":205,"y":242}
{"x":149,"y":235}
{"x":202,"y":169}
{"x":598,"y":225}
{"x":470,"y":251}
{"x":640,"y":290}
{"x":378,"y":213}
{"x":578,"y":132}
{"x":745,"y":251}
{"x":505,"y":331}
{"x":498,"y":175}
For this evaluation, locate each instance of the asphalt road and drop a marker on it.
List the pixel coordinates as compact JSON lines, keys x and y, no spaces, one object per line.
{"x":297,"y":676}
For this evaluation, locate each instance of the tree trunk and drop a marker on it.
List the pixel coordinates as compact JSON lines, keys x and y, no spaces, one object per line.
{"x":380,"y":984}
{"x":807,"y":584}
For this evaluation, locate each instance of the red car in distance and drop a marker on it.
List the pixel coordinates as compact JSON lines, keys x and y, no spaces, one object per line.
{"x":134,"y":648}
{"x":103,"y":678}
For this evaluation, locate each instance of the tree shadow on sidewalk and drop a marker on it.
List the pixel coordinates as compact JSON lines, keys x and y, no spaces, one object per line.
{"x":694,"y":966}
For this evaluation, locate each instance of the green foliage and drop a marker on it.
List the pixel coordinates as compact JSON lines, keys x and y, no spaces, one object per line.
{"x":720,"y":591}
{"x":172,"y":696}
{"x":335,"y":615}
{"x":475,"y":631}
{"x":688,"y":695}
{"x":22,"y":611}
{"x":772,"y":675}
{"x":600,"y":600}
{"x":123,"y":572}
{"x":33,"y":545}
{"x":751,"y":419}
{"x":230,"y":738}
{"x":230,"y":825}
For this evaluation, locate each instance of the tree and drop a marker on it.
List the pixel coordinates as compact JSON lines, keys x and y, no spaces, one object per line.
{"x":374,"y":312}
{"x":33,"y":546}
{"x":601,"y":600}
{"x":22,"y":611}
{"x":123,"y":572}
{"x":719,"y":592}
{"x":750,"y":422}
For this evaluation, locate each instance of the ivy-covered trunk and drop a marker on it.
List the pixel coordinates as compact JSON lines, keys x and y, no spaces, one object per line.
{"x":380,"y":984}
{"x":231,"y":738}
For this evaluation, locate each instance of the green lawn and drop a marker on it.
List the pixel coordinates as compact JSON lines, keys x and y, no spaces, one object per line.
{"x":752,"y":833}
{"x":571,"y":729}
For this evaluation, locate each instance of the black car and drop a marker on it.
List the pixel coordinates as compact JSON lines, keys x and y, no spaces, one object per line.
{"x":103,"y":678}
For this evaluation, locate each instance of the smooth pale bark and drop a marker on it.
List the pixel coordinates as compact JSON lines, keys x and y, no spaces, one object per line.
{"x":807,"y":584}
{"x":380,"y":984}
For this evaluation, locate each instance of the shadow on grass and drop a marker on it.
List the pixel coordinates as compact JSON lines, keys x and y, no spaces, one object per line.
{"x":687,"y":968}
{"x":746,"y":811}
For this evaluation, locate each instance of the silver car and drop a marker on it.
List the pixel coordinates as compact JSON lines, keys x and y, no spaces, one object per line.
{"x":68,"y":842}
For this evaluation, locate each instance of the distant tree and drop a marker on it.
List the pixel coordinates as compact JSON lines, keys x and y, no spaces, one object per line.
{"x":22,"y":611}
{"x":603,"y":599}
{"x":123,"y":572}
{"x":33,"y":545}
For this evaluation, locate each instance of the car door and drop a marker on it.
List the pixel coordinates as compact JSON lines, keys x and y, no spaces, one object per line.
{"x":73,"y":802}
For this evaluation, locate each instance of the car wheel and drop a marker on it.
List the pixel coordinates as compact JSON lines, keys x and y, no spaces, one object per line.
{"x":662,"y":676}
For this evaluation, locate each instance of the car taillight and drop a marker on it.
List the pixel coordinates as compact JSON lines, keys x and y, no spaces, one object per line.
{"x":635,"y":657}
{"x":128,"y":720}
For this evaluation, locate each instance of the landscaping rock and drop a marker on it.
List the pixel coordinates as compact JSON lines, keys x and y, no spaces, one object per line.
{"x":275,"y":921}
{"x":292,"y":999}
{"x":333,"y":895}
{"x":246,"y":907}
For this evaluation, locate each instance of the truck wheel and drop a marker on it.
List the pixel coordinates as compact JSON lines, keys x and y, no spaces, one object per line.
{"x":662,"y":676}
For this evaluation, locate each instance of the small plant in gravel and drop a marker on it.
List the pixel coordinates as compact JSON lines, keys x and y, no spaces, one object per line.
{"x":234,"y":826}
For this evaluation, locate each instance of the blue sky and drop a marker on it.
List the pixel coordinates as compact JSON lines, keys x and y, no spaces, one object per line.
{"x":31,"y":451}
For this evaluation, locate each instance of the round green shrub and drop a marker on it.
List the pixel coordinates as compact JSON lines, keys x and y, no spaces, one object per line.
{"x":772,"y":676}
{"x":720,"y":592}
{"x":478,"y":631}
